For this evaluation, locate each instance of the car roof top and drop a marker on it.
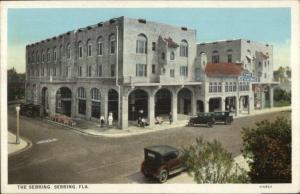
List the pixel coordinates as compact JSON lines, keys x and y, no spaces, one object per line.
{"x":161,"y":149}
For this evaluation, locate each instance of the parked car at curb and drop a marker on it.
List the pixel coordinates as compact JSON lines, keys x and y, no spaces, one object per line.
{"x":223,"y":117}
{"x":202,"y":118}
{"x":30,"y":110}
{"x":161,"y":161}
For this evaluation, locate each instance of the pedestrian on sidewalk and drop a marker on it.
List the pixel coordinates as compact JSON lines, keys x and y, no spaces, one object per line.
{"x":110,"y":119}
{"x":170,"y":118}
{"x":102,"y":120}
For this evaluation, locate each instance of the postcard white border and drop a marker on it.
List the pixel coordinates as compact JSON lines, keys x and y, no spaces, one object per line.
{"x":166,"y":188}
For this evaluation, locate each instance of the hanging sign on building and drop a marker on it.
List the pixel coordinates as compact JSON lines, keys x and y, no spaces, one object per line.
{"x":248,"y":77}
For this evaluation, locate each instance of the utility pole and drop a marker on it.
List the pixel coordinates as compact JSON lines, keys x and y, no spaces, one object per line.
{"x":18,"y":125}
{"x":117,"y":76}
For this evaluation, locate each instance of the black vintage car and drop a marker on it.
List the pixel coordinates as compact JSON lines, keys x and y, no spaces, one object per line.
{"x":30,"y":110}
{"x":161,"y":161}
{"x":202,"y":118}
{"x":223,"y":117}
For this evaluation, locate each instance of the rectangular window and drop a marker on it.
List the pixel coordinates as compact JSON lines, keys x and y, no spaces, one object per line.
{"x":184,"y":71}
{"x":183,"y":50}
{"x":54,"y":71}
{"x":80,"y":52}
{"x":89,"y":71}
{"x":153,"y":69}
{"x":229,"y":58}
{"x":153,"y":46}
{"x":112,"y":47}
{"x":99,"y":70}
{"x":172,"y":73}
{"x":69,"y":52}
{"x":234,"y":86}
{"x":82,"y":107}
{"x":67,"y":71}
{"x":215,"y":59}
{"x":230,"y":87}
{"x":54,"y":55}
{"x":226,"y":87}
{"x":210,"y":88}
{"x":141,"y":70}
{"x":220,"y":87}
{"x":89,"y":50}
{"x":140,"y":46}
{"x":96,"y":109}
{"x":100,"y":48}
{"x":112,"y":70}
{"x":42,"y":72}
{"x":79,"y":71}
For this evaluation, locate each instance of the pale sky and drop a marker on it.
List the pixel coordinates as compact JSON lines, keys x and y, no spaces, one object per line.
{"x":267,"y":25}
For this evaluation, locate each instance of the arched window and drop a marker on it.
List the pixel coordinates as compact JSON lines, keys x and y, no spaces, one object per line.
{"x":100,"y":46}
{"x":184,"y":48}
{"x":89,"y":48}
{"x":68,"y":51}
{"x":172,"y":56}
{"x":141,"y":44}
{"x":95,"y":94}
{"x":80,"y":49}
{"x":37,"y":57}
{"x":81,"y":93}
{"x":112,"y":44}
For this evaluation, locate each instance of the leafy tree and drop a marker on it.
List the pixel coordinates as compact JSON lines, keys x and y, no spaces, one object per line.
{"x":268,"y":146}
{"x":15,"y":84}
{"x":208,"y":162}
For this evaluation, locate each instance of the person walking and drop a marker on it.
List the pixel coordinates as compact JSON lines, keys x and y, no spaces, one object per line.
{"x":170,"y":118}
{"x":102,"y":120}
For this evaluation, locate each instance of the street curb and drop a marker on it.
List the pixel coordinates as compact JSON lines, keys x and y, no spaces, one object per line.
{"x":28,"y":146}
{"x":118,"y":135}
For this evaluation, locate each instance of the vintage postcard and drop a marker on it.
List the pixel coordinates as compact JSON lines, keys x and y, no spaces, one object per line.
{"x":150,"y":97}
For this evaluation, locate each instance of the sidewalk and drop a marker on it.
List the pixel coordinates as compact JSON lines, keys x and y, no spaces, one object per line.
{"x":14,"y":148}
{"x":94,"y":129}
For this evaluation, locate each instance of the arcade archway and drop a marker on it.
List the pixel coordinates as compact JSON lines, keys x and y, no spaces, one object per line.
{"x":137,"y":104}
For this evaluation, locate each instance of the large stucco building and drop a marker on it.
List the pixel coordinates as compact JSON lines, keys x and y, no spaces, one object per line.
{"x":125,"y":65}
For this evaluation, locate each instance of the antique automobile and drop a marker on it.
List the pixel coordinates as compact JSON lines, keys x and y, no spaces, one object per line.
{"x":161,"y":161}
{"x":202,"y":118}
{"x":223,"y":117}
{"x":30,"y":110}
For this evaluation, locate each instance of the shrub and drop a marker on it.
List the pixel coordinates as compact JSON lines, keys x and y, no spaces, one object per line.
{"x":208,"y":162}
{"x":268,"y":146}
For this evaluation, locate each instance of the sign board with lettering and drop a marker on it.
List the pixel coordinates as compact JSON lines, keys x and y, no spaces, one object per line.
{"x":248,"y":77}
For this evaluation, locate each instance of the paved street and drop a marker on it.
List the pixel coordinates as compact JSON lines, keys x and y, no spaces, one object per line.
{"x":61,"y":155}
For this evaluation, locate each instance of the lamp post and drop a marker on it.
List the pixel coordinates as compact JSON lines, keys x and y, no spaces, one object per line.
{"x":18,"y":126}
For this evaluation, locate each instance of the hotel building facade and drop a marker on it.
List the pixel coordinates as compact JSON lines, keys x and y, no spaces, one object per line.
{"x":125,"y":65}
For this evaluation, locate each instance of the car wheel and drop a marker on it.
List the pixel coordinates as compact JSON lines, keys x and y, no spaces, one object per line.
{"x":163,"y":176}
{"x":227,"y":121}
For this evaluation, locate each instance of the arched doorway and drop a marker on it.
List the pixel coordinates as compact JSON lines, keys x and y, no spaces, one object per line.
{"x":184,"y":99}
{"x":113,"y":103}
{"x":64,"y":101}
{"x":137,"y":101}
{"x":45,"y":103}
{"x":163,"y":99}
{"x":230,"y":103}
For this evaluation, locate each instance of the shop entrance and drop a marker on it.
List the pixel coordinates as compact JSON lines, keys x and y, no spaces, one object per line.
{"x":64,"y":101}
{"x":163,"y":99}
{"x":137,"y":104}
{"x":113,"y":103}
{"x":215,"y":104}
{"x":184,"y":101}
